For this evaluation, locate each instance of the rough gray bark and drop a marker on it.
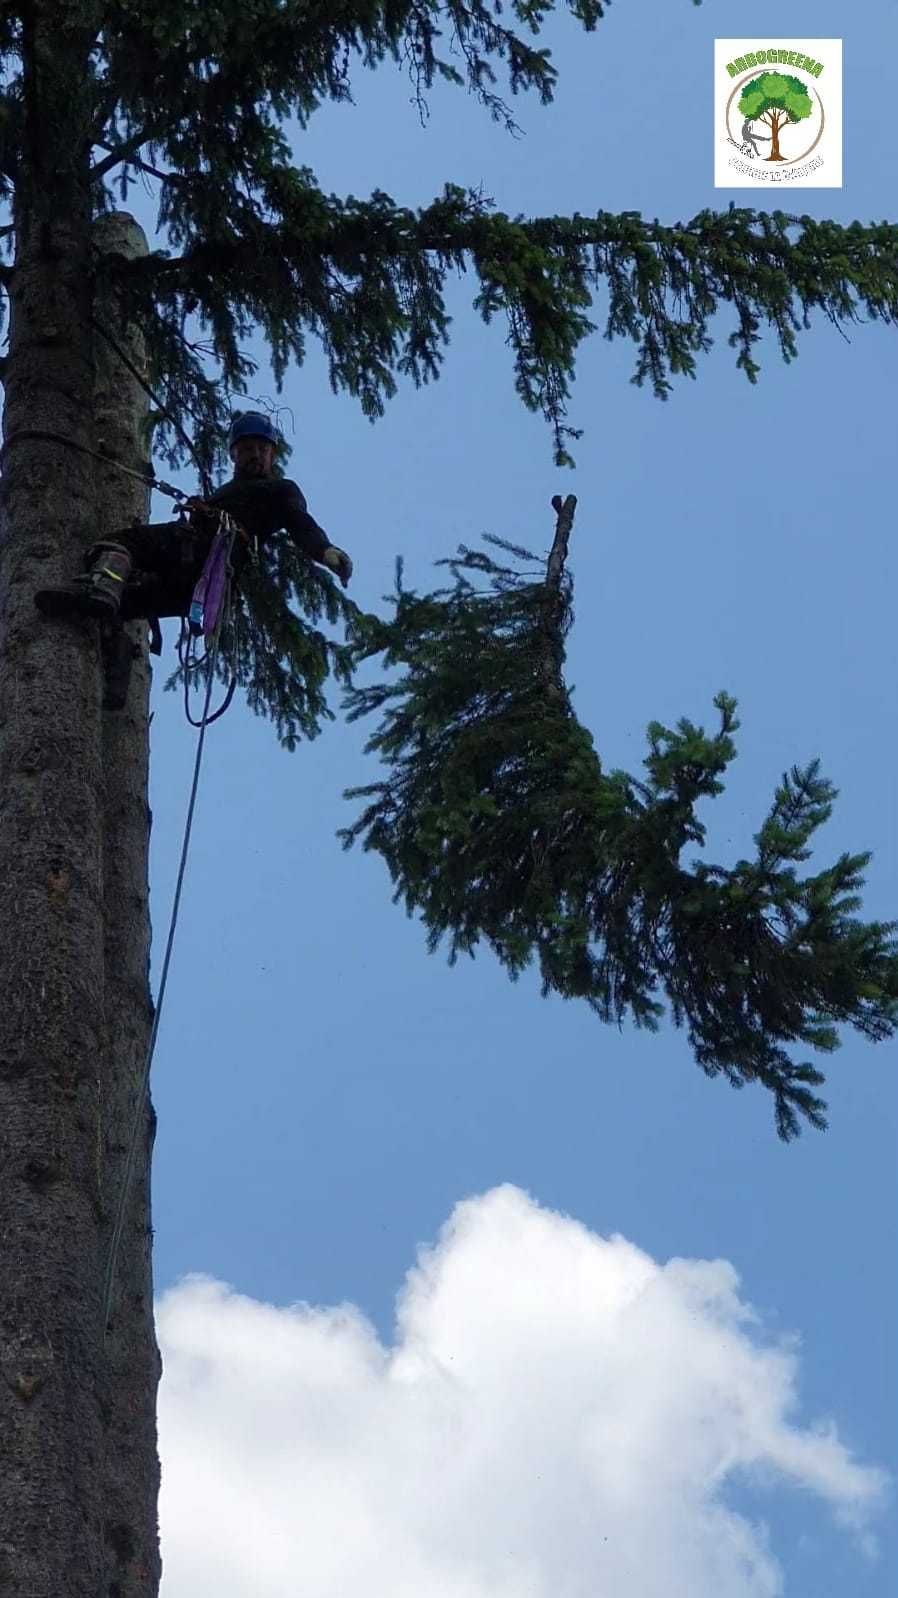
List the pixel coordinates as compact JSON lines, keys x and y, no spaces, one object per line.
{"x":564,"y":512}
{"x":132,"y":1470}
{"x":77,"y":1437}
{"x":552,"y":652}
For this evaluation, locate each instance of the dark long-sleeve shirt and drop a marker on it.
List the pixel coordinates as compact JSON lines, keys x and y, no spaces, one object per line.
{"x":264,"y":504}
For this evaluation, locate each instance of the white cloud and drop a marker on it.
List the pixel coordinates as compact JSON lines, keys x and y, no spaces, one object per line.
{"x":558,"y":1417}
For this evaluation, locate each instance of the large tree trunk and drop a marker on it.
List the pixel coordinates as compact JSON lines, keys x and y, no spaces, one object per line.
{"x":132,"y":1470}
{"x":77,"y":1441}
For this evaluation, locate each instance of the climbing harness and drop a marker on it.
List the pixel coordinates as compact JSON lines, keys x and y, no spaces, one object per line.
{"x":211,"y":656}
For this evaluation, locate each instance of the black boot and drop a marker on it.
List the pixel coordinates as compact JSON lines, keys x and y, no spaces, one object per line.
{"x":97,"y":593}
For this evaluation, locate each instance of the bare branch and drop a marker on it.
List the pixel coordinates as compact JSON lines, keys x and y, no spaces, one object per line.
{"x":122,"y":153}
{"x":558,"y":556}
{"x":117,"y":153}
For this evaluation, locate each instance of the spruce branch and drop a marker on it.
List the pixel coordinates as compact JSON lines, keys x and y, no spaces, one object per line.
{"x":367,"y":279}
{"x":257,"y":244}
{"x":275,"y":647}
{"x":124,"y":153}
{"x":498,"y":824}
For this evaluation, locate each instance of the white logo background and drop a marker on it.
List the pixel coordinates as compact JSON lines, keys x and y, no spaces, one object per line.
{"x":811,"y":149}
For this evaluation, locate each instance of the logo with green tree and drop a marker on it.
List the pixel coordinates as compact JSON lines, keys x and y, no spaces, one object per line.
{"x":779,"y":102}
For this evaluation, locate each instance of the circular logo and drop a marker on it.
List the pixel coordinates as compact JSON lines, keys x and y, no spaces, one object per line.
{"x":774,"y":118}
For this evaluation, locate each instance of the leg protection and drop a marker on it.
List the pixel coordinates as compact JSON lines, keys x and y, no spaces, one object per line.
{"x":97,"y":592}
{"x":119,"y":654}
{"x":109,"y":567}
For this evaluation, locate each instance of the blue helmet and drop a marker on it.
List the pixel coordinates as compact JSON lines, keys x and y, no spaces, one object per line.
{"x":251,"y":424}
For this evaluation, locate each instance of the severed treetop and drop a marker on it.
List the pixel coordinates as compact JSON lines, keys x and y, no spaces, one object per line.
{"x":498,"y":824}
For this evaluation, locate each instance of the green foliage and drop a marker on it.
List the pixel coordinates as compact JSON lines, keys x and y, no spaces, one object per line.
{"x":190,"y":93}
{"x":775,"y":91}
{"x":273,"y":647}
{"x":497,"y":822}
{"x":367,"y":278}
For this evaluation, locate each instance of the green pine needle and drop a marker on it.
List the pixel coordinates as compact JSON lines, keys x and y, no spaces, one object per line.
{"x":275,"y":650}
{"x":498,"y":824}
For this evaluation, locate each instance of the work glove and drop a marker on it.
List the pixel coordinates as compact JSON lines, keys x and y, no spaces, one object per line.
{"x":337,"y":560}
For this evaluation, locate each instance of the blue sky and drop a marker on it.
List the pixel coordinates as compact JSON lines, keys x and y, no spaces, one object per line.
{"x":327,"y":1092}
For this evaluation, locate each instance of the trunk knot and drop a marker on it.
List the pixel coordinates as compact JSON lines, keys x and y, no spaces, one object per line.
{"x":59,"y":881}
{"x":26,"y":1385}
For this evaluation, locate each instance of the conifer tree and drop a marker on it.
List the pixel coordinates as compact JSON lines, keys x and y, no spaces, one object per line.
{"x":188,"y":93}
{"x":497,"y":822}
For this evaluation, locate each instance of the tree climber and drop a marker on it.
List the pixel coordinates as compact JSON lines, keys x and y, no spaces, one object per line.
{"x":151,"y":571}
{"x":753,"y":139}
